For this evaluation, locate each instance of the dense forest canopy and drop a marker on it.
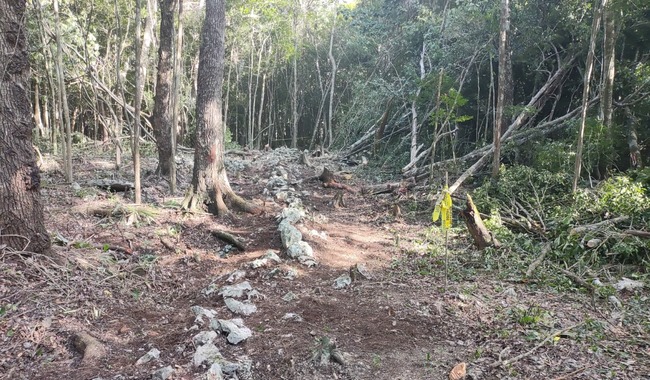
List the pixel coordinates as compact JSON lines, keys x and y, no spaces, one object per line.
{"x":332,"y":72}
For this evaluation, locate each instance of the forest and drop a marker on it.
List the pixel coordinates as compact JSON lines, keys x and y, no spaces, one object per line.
{"x":324,"y":189}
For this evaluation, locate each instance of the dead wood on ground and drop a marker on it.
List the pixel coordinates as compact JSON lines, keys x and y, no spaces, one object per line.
{"x":228,"y":238}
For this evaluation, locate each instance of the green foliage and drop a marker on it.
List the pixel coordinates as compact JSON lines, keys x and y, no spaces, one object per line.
{"x":526,"y":185}
{"x":616,"y":196}
{"x":554,"y":156}
{"x":541,"y":201}
{"x":529,"y":316}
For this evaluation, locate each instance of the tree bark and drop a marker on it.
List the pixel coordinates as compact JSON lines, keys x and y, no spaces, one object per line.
{"x":21,"y":211}
{"x":609,"y":70}
{"x":210,"y":184}
{"x":480,"y":234}
{"x":67,"y":141}
{"x":139,"y":89}
{"x":176,"y":98}
{"x":162,"y":113}
{"x":595,"y":26}
{"x":330,"y":115}
{"x":505,"y":70}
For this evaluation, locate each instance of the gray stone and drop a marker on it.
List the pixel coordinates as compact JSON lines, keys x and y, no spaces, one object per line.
{"x":162,"y":373}
{"x":236,"y":276}
{"x":265,"y":260}
{"x":299,"y":249}
{"x":291,"y":274}
{"x":204,"y":337}
{"x":276,"y":183}
{"x":214,"y":373}
{"x":290,"y":296}
{"x":235,"y":329}
{"x":292,"y":317}
{"x":210,"y":289}
{"x":255,"y":295}
{"x":236,"y":291}
{"x":615,"y":301}
{"x":238,"y":307}
{"x":307,"y":261}
{"x":289,"y":234}
{"x":202,"y":313}
{"x":208,"y":354}
{"x":291,"y":214}
{"x":343,"y":281}
{"x":149,"y":356}
{"x":627,"y":284}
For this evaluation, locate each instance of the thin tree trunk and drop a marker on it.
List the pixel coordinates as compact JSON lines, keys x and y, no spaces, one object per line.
{"x":67,"y":151}
{"x":37,"y":111}
{"x":261,"y":112}
{"x":178,"y":71}
{"x":636,"y":159}
{"x":609,"y":70}
{"x":503,"y":85}
{"x":119,"y":86}
{"x":140,"y":63}
{"x":415,"y":125}
{"x":330,"y":115}
{"x":595,"y":26}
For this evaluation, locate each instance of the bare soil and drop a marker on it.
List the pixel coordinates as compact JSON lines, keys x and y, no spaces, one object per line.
{"x":130,"y":280}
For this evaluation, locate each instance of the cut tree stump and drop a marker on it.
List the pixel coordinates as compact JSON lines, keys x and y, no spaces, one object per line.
{"x":480,"y":234}
{"x":327,"y":177}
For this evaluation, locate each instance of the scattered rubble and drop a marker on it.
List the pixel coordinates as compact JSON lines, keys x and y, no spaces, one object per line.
{"x":149,"y":356}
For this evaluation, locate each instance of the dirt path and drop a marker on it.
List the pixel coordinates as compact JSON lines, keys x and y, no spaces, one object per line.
{"x":130,"y":282}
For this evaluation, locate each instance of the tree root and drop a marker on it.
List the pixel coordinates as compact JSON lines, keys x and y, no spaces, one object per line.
{"x":88,"y":346}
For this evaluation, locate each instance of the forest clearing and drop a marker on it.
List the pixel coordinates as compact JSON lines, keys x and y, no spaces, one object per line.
{"x":318,"y":189}
{"x":130,"y":277}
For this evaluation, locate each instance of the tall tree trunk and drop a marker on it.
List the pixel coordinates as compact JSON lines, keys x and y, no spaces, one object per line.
{"x":504,"y":85}
{"x":210,"y":184}
{"x":330,"y":115}
{"x":415,"y":123}
{"x":178,"y":70}
{"x":595,"y":26}
{"x":258,"y":142}
{"x":162,"y":113}
{"x":609,"y":70}
{"x":636,"y":160}
{"x":37,"y":111}
{"x":119,"y":86}
{"x":67,"y":146}
{"x":139,"y":89}
{"x":21,"y":211}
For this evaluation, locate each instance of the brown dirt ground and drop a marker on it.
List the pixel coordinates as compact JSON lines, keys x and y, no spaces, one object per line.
{"x":114,"y":279}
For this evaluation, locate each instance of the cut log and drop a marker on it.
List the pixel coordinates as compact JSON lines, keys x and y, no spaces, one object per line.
{"x":112,"y":185}
{"x":228,"y":238}
{"x":598,"y":226}
{"x":391,"y":187}
{"x":480,"y":234}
